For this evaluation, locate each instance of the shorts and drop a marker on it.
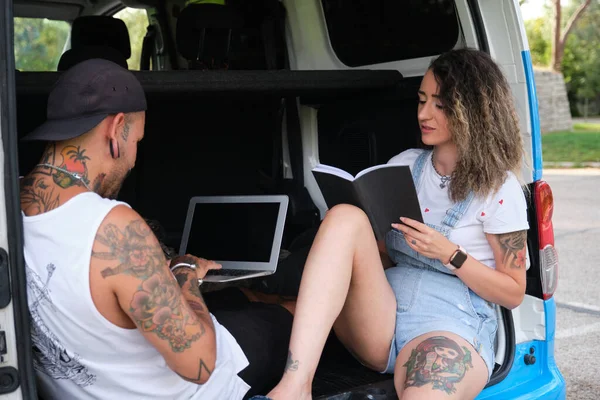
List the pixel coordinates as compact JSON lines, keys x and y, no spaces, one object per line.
{"x":263,"y":332}
{"x":428,"y":301}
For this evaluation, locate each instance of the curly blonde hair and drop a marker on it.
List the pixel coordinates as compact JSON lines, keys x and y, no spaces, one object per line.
{"x":482,"y":120}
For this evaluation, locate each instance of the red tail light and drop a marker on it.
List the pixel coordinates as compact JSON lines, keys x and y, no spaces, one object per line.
{"x":544,"y":204}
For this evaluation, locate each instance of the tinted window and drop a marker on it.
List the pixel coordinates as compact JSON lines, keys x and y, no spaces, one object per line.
{"x":136,"y":21}
{"x":366,"y":32}
{"x":39,"y":43}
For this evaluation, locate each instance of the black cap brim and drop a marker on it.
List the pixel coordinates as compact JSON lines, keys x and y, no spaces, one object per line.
{"x":64,"y":129}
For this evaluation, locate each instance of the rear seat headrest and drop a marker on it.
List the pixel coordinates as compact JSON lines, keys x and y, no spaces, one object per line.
{"x":97,"y":36}
{"x":204,"y":32}
{"x":77,"y":55}
{"x":101,"y":30}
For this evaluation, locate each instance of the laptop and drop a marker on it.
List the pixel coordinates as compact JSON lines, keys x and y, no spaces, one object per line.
{"x":242,"y":233}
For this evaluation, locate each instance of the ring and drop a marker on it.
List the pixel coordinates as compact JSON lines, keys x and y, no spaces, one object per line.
{"x":414,"y":242}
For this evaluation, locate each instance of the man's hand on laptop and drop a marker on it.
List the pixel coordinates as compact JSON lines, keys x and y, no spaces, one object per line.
{"x":200,"y":265}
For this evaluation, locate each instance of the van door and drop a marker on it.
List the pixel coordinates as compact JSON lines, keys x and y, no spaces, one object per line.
{"x":17,"y":379}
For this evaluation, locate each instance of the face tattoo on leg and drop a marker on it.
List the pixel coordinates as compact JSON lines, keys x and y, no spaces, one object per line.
{"x":440,"y":361}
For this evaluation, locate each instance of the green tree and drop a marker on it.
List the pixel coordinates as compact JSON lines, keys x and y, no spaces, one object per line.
{"x":39,"y":43}
{"x":561,"y":29}
{"x":136,"y":21}
{"x":581,"y":61}
{"x":538,"y":35}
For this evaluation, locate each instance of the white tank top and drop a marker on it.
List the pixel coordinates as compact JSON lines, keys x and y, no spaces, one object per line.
{"x":79,"y":354}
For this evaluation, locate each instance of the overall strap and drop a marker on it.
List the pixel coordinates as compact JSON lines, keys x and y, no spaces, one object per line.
{"x":418,"y":167}
{"x":454,"y":214}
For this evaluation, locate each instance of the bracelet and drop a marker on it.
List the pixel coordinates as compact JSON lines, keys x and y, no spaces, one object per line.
{"x":186,"y":265}
{"x":182,"y":265}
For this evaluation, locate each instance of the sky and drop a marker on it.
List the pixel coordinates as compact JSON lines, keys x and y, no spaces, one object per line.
{"x":532,"y":9}
{"x":535,"y":8}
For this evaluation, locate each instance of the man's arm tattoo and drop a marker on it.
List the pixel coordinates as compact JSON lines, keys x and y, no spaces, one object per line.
{"x":201,"y":369}
{"x":513,"y":246}
{"x":192,"y":291}
{"x":157,"y":305}
{"x":131,"y":249}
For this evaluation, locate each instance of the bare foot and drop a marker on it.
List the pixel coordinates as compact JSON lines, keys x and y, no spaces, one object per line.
{"x":277,"y":394}
{"x":258,"y":297}
{"x":289,"y":305}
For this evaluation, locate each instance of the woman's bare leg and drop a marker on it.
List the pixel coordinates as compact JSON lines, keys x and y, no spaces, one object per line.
{"x":343,"y":283}
{"x":415,"y":379}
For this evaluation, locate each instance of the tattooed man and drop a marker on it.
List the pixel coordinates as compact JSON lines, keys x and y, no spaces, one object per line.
{"x":111,"y":317}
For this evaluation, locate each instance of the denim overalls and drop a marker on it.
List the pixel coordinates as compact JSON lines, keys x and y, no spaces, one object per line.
{"x":430,"y":297}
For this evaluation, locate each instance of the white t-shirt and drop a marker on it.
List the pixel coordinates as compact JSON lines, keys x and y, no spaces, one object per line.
{"x":79,"y":354}
{"x":502,"y":212}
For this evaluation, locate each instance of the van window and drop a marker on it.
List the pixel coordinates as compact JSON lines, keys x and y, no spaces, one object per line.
{"x":39,"y":43}
{"x":136,"y":21}
{"x":376,"y":31}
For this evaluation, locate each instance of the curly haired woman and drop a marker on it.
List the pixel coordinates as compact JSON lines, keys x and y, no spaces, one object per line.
{"x":422,"y":304}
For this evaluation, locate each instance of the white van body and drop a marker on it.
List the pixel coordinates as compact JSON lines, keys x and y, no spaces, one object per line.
{"x":495,"y":26}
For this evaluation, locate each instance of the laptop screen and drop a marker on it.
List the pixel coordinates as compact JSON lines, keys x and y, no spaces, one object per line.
{"x":233,"y":231}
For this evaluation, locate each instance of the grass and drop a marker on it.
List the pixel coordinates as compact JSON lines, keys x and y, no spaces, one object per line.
{"x":579,"y":146}
{"x":586,"y":126}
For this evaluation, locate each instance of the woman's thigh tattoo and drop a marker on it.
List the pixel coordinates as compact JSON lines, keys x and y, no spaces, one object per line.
{"x":440,"y":361}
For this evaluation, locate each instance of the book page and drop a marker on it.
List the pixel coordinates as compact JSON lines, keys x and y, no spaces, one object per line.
{"x":328,"y":169}
{"x":373,"y":168}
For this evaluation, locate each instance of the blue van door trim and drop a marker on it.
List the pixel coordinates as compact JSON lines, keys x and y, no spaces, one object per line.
{"x":540,"y":380}
{"x":536,"y":133}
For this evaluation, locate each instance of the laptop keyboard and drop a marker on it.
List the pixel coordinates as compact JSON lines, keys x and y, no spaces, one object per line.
{"x":230,"y":272}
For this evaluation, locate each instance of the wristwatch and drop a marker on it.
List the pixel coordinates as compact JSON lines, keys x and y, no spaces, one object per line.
{"x":457,"y":259}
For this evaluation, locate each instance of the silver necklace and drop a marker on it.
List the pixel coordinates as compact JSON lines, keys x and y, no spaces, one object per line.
{"x":71,"y":174}
{"x":443,"y":178}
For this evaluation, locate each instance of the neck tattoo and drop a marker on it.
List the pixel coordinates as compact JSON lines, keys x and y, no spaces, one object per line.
{"x":445,"y":179}
{"x":64,"y":171}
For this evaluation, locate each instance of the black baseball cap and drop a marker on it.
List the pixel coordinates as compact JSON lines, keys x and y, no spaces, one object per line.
{"x":86,"y":94}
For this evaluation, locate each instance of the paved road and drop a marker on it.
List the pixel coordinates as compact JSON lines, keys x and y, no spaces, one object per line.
{"x":577,"y":238}
{"x":590,"y":120}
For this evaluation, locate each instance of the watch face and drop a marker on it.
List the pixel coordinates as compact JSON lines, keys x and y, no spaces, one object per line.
{"x":458,"y":259}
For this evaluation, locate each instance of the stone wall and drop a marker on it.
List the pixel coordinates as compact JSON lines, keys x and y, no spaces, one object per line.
{"x":552,"y":100}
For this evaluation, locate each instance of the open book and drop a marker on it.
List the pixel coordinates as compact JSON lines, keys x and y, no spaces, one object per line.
{"x":384,"y":192}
